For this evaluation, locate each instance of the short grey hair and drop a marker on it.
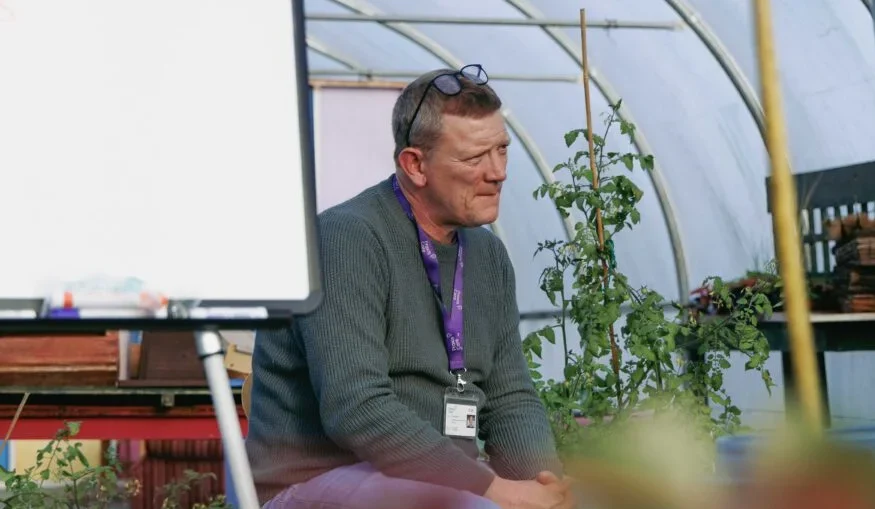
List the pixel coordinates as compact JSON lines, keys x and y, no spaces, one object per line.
{"x":472,"y":101}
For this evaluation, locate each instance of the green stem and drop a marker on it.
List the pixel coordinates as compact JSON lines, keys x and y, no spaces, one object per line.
{"x":563,"y":322}
{"x":49,"y":464}
{"x":659,"y":375}
{"x":75,"y":494}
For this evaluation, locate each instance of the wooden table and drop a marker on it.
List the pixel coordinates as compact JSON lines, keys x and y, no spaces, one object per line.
{"x":833,"y":332}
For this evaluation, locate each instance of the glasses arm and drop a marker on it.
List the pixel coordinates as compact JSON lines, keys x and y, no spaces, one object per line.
{"x":415,"y":113}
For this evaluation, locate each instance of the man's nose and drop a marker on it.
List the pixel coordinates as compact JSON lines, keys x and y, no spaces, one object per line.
{"x":497,"y":171}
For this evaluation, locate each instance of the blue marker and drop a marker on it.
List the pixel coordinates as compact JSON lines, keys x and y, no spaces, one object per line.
{"x":73,"y":313}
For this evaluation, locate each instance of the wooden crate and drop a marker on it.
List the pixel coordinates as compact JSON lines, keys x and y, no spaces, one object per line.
{"x":59,"y":360}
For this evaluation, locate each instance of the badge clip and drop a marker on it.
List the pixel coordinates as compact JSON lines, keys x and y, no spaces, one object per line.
{"x":460,"y":383}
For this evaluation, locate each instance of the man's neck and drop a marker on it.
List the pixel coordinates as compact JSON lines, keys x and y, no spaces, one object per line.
{"x":439,"y":233}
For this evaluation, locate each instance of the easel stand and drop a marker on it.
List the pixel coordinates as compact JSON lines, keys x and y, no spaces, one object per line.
{"x":209,"y":349}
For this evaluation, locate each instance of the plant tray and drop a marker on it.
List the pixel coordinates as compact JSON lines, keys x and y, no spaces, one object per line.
{"x":80,"y":361}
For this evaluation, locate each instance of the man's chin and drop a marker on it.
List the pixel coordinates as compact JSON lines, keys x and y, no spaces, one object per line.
{"x":483,"y":220}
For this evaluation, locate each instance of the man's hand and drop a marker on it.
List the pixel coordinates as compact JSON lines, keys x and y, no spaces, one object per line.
{"x":509,"y":494}
{"x":565,"y":485}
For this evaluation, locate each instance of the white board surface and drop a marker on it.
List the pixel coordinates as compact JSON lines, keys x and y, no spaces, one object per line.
{"x":153,"y":139}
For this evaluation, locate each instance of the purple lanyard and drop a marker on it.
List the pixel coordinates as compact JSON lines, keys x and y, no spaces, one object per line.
{"x":453,"y":322}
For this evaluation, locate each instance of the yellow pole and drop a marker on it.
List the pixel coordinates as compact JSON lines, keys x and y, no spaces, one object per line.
{"x":786,"y":228}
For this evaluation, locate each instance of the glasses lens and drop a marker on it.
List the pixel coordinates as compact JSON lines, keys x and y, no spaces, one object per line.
{"x":475,"y":73}
{"x":448,"y":84}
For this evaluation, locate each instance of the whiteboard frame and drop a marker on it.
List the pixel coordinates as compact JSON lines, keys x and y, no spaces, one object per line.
{"x":280,"y":312}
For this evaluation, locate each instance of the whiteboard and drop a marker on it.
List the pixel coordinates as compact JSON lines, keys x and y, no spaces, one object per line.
{"x":164,"y":140}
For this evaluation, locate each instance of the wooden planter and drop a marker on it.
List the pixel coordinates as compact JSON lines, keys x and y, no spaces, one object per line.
{"x":80,"y":361}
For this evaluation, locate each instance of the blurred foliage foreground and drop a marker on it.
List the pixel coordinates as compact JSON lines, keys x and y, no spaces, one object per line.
{"x":653,"y":463}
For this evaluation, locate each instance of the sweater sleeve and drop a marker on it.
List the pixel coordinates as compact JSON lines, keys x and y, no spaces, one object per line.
{"x":516,"y":432}
{"x":344,"y":343}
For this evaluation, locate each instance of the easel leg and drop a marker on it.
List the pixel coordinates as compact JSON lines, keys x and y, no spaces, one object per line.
{"x":209,"y":348}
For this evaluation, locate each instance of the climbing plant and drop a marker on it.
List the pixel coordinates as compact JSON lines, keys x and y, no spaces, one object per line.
{"x":652,"y":360}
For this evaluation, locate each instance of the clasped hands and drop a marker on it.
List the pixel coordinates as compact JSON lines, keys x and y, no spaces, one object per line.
{"x":546,"y":491}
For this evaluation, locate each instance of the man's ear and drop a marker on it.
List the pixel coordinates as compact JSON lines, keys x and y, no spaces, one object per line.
{"x":410,"y":161}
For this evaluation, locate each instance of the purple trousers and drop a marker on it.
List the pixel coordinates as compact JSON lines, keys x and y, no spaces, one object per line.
{"x":361,"y":486}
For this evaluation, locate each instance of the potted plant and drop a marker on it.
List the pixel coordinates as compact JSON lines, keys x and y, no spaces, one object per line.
{"x":652,"y":363}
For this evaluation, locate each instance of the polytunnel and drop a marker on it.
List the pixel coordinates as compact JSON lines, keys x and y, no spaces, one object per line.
{"x":687,"y":74}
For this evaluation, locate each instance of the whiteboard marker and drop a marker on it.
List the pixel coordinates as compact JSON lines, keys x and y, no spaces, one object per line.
{"x":64,"y":313}
{"x":228,"y":313}
{"x":17,"y":314}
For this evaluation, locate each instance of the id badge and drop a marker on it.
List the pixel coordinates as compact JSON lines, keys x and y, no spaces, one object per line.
{"x":460,"y":415}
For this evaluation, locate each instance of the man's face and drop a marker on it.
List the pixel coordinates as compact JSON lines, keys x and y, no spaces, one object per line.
{"x":466,"y":168}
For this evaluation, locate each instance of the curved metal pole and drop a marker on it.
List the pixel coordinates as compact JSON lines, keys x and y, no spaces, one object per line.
{"x":320,"y":47}
{"x":640,"y":142}
{"x":871,"y":6}
{"x":426,"y":43}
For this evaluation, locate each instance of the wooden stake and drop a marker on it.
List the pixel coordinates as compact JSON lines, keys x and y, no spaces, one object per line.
{"x":615,"y":351}
{"x":14,"y":422}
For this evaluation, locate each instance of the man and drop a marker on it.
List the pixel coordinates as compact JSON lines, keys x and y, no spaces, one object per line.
{"x":365,"y":402}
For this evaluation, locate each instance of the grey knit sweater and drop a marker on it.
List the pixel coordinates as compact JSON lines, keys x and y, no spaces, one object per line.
{"x":363,"y":377}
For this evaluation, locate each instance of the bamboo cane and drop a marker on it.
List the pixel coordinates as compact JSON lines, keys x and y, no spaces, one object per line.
{"x":615,"y":351}
{"x":786,"y":229}
{"x":14,"y":422}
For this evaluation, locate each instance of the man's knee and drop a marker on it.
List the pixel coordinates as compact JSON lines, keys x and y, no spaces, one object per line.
{"x":361,"y":486}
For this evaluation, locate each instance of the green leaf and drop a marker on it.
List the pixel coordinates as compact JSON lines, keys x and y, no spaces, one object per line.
{"x":571,"y":136}
{"x":725,"y":364}
{"x":81,"y":457}
{"x":637,"y":376}
{"x":570,"y":371}
{"x":610,"y":379}
{"x":628,"y":160}
{"x":550,"y":335}
{"x":44,"y":475}
{"x":73,"y":427}
{"x":635,"y":215}
{"x":718,"y":399}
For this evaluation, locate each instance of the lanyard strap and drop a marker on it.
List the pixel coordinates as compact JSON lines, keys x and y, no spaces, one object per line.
{"x":452,"y":318}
